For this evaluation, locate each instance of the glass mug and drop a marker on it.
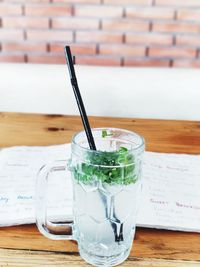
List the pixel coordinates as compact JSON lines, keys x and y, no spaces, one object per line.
{"x":106,"y":195}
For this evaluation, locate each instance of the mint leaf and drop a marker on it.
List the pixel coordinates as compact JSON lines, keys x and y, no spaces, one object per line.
{"x":116,"y":167}
{"x":123,"y":149}
{"x":104,"y":133}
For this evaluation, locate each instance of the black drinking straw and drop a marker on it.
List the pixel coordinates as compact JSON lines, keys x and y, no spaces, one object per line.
{"x":84,"y":117}
{"x":78,"y":97}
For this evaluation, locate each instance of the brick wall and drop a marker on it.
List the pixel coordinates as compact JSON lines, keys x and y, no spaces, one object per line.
{"x":102,"y":32}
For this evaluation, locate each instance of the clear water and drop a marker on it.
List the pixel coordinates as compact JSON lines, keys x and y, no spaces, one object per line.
{"x":105,"y":218}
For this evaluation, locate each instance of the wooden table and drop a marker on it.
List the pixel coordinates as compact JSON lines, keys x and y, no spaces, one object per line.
{"x":25,"y":246}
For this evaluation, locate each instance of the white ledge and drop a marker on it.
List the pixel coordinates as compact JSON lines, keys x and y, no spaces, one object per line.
{"x":159,"y":93}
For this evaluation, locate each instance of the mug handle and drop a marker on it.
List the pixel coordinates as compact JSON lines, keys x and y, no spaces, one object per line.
{"x":52,"y":230}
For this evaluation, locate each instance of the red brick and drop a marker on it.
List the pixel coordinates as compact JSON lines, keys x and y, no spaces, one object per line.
{"x":24,"y":46}
{"x":149,"y":13}
{"x":171,"y":52}
{"x":128,"y":2}
{"x":122,"y":50}
{"x":193,"y":40}
{"x":10,"y":9}
{"x":87,"y":49}
{"x":30,"y":1}
{"x":148,"y":39}
{"x":49,"y":35}
{"x":11,"y":58}
{"x":57,"y":47}
{"x":78,"y":1}
{"x":98,"y":11}
{"x":192,"y":3}
{"x":186,"y":63}
{"x":188,"y":14}
{"x":125,"y":25}
{"x":98,"y":36}
{"x":99,"y":61}
{"x":146,"y":62}
{"x":48,"y":10}
{"x":75,"y":23}
{"x":25,"y":22}
{"x":49,"y":59}
{"x":11,"y":34}
{"x":176,"y":27}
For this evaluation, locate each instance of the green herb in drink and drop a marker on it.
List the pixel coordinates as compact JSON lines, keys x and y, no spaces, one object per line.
{"x":117,"y":167}
{"x":104,"y":133}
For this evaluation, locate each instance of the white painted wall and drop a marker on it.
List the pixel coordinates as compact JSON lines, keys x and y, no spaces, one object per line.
{"x":107,"y":91}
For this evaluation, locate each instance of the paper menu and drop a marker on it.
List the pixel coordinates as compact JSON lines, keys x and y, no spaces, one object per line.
{"x":18,"y":170}
{"x":170,"y":195}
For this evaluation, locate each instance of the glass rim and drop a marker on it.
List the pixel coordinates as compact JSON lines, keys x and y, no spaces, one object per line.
{"x":138,"y":147}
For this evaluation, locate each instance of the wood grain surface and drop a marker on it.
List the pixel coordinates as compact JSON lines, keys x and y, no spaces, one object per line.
{"x":25,"y":246}
{"x":18,"y":258}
